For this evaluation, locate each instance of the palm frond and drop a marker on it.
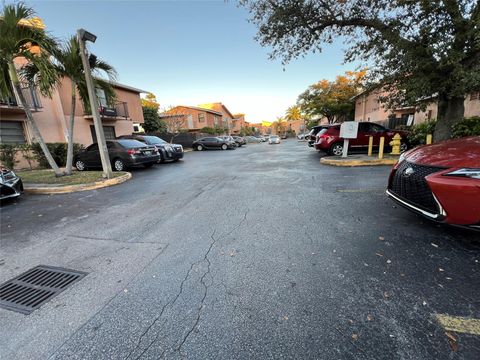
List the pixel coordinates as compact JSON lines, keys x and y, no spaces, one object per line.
{"x":106,"y":68}
{"x":18,"y":34}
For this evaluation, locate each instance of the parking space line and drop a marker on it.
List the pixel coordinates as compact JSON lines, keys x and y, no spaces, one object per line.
{"x":459,"y":324}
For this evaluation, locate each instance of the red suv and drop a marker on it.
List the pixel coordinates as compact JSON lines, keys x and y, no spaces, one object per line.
{"x":329,"y":139}
{"x":440,"y":181}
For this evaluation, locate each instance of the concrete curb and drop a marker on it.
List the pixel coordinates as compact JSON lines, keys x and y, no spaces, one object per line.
{"x":352,"y":163}
{"x":39,"y":189}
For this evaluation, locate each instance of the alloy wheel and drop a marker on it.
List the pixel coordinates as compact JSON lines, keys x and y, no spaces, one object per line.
{"x":337,"y":149}
{"x":80,"y":165}
{"x":118,"y":165}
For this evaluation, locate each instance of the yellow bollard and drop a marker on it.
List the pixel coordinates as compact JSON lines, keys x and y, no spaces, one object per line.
{"x":429,"y":139}
{"x":395,"y":144}
{"x":380,"y":149}
{"x":370,"y":145}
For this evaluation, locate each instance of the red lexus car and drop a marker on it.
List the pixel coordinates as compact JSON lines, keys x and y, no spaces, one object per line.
{"x":329,"y":140}
{"x":440,"y":181}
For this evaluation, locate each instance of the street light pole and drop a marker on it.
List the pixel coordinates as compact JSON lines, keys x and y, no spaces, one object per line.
{"x":83,"y":35}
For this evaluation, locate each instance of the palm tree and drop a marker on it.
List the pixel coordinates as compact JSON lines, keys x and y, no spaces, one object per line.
{"x":279,"y":125}
{"x":68,"y":63}
{"x":293,"y":113}
{"x":20,"y":38}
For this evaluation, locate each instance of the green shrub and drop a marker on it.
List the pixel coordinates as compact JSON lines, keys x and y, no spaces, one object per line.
{"x":7,"y":155}
{"x":27,"y":154}
{"x":418,"y":133}
{"x":467,"y":127}
{"x":213,"y":131}
{"x":58,"y":151}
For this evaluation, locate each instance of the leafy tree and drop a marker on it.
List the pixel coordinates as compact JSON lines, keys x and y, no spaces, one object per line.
{"x":68,"y":63}
{"x":150,"y":100}
{"x":22,"y":38}
{"x":153,"y":123}
{"x":333,"y":99}
{"x":414,"y":48}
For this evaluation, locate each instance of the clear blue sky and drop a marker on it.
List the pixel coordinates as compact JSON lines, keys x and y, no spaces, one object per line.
{"x":191,"y":52}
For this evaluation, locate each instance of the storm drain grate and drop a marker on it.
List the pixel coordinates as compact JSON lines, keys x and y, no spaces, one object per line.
{"x":35,"y":287}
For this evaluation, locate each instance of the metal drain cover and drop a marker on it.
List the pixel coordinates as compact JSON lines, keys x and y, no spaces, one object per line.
{"x":35,"y":287}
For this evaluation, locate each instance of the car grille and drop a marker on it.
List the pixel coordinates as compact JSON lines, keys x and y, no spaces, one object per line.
{"x":413,"y":187}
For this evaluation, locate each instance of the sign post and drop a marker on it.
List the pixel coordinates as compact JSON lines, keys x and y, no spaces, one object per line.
{"x":348,"y":130}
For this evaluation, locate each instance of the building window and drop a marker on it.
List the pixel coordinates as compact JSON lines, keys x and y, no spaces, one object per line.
{"x":201,"y":117}
{"x":109,"y":132}
{"x":102,"y":98}
{"x":475,"y":95}
{"x":215,"y":120}
{"x":11,"y":132}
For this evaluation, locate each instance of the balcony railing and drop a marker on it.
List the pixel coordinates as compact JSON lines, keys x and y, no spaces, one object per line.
{"x":119,"y":109}
{"x":30,"y":95}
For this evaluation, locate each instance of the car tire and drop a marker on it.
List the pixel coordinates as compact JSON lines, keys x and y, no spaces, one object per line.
{"x":80,"y":165}
{"x":199,"y":147}
{"x":224,"y":147}
{"x":336,"y":149}
{"x":118,"y":165}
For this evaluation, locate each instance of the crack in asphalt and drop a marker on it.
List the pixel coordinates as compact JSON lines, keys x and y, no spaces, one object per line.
{"x":109,"y":302}
{"x":177,"y":296}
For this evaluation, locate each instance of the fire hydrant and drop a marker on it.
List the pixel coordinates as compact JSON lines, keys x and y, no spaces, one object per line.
{"x":395,"y":144}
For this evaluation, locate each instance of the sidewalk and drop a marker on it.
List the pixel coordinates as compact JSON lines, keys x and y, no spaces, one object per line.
{"x":359,"y":160}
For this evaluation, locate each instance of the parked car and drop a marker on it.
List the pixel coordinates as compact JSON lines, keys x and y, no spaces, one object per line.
{"x":274,"y":139}
{"x":252,"y":139}
{"x":312,"y":135}
{"x":329,"y":140}
{"x":11,"y":185}
{"x":440,"y":181}
{"x":213,"y":143}
{"x":123,"y":153}
{"x":265,"y":137}
{"x":229,"y":138}
{"x":302,"y":136}
{"x":261,"y":138}
{"x":168,"y":152}
{"x":283,"y":136}
{"x":239,"y":140}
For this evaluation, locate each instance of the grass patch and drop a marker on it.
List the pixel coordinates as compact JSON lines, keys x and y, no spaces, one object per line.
{"x":48,"y":177}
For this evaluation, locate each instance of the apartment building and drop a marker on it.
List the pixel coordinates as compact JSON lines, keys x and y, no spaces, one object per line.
{"x":369,"y":108}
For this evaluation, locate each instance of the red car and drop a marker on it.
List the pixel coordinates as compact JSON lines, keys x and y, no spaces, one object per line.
{"x":329,"y":139}
{"x":440,"y":181}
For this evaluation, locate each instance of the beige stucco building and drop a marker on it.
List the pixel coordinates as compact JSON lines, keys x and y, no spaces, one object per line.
{"x":52,"y":115}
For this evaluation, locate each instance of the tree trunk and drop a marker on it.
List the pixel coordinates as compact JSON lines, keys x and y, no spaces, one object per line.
{"x":450,"y":111}
{"x":68,"y":168}
{"x":12,"y":71}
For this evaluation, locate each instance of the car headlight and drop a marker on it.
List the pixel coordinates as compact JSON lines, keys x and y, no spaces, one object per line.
{"x":466,"y":172}
{"x":168,"y":148}
{"x":401,"y":158}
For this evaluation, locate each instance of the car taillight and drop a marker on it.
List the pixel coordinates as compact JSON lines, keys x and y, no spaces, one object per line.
{"x":133,"y":151}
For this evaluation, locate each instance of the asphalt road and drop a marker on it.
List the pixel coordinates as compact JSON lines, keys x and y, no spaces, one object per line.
{"x":256,"y":253}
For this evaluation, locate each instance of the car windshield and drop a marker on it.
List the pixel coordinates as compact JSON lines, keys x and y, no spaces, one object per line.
{"x":128,"y":144}
{"x":153,"y":140}
{"x":323,"y":131}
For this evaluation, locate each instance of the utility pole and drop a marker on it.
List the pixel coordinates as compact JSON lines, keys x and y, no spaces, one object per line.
{"x":83,"y":36}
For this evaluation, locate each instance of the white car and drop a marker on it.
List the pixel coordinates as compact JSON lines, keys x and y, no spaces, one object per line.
{"x":274,"y":139}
